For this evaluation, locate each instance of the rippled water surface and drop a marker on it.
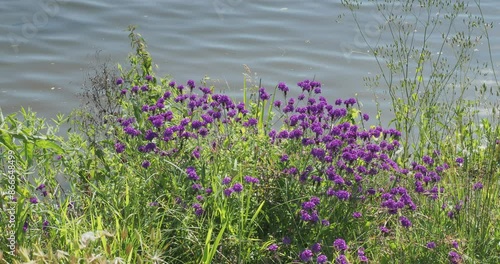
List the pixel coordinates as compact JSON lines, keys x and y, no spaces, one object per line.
{"x":47,"y":46}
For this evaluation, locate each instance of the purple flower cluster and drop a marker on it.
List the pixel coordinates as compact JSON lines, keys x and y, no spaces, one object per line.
{"x":309,"y":212}
{"x":315,"y":250}
{"x":343,"y":159}
{"x":340,"y":244}
{"x":397,"y":199}
{"x":42,"y":189}
{"x":427,"y":177}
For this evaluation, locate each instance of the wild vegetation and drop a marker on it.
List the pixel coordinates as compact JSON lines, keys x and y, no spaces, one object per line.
{"x":155,"y":170}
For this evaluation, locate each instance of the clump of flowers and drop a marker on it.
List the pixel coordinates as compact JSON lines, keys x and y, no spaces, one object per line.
{"x":317,"y":151}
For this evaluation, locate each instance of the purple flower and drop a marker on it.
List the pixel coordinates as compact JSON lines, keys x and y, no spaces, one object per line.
{"x":315,"y":200}
{"x":237,"y":187}
{"x":405,"y":222}
{"x":191,"y":84}
{"x":25,"y":226}
{"x":228,"y":192}
{"x":171,"y":84}
{"x":119,"y":81}
{"x":131,"y":131}
{"x":45,"y":225}
{"x":263,"y":95}
{"x":150,"y":135}
{"x":123,"y":92}
{"x":340,"y":244}
{"x":454,"y":257}
{"x":197,"y":187}
{"x":428,"y":160}
{"x":226,"y":180}
{"x":33,"y":200}
{"x":40,"y":187}
{"x":431,"y":245}
{"x":451,"y":214}
{"x":350,"y":101}
{"x":134,"y":89}
{"x":252,"y":122}
{"x":272,"y":247}
{"x":287,"y":240}
{"x":454,"y":244}
{"x":321,"y":259}
{"x":305,"y":216}
{"x":251,"y":179}
{"x":356,"y":215}
{"x":460,"y":161}
{"x":277,"y":103}
{"x":325,"y":222}
{"x":316,"y":247}
{"x":361,"y":253}
{"x":191,"y":173}
{"x":146,"y":164}
{"x":341,"y":259}
{"x":284,"y":158}
{"x":198,"y":210}
{"x":306,"y":255}
{"x":366,"y":117}
{"x":343,"y":195}
{"x":308,"y":205}
{"x":195,"y":154}
{"x":282,"y":87}
{"x":149,"y":78}
{"x":384,"y":229}
{"x":478,"y":186}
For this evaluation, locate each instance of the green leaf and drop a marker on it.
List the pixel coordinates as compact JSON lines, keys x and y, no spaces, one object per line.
{"x":29,"y":148}
{"x":47,"y":144}
{"x":6,"y":140}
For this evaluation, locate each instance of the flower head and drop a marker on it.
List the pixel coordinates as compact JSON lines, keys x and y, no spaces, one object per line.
{"x":226,"y":180}
{"x":316,"y":247}
{"x":237,"y":187}
{"x":477,"y":186}
{"x":263,"y":95}
{"x":272,"y":247}
{"x":33,"y":200}
{"x":356,"y":215}
{"x":45,"y":225}
{"x":191,"y":173}
{"x":306,"y":255}
{"x":340,"y":244}
{"x":341,"y":259}
{"x":454,"y":257}
{"x":321,"y":259}
{"x":405,"y":222}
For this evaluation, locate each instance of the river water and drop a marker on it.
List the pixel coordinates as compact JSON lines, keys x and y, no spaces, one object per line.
{"x":47,"y":46}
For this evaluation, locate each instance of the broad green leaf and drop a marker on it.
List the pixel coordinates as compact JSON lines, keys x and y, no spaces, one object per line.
{"x":29,"y":148}
{"x":6,"y":140}
{"x":47,"y":144}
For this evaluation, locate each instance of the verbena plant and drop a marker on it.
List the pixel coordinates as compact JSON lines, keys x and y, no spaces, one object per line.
{"x":178,"y":173}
